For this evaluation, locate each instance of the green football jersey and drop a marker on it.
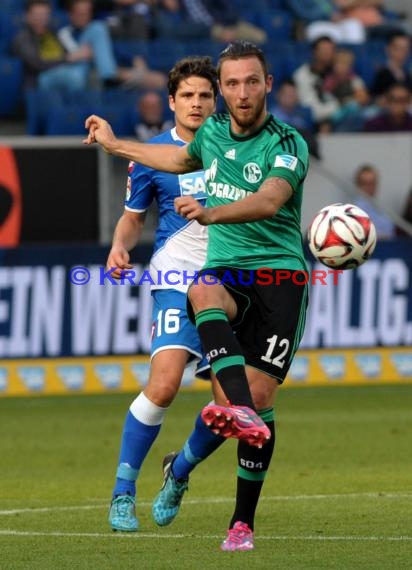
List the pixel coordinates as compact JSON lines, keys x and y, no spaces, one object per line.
{"x":234,"y":167}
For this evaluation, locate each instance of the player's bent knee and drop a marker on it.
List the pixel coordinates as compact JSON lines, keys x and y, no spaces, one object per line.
{"x":162,"y":391}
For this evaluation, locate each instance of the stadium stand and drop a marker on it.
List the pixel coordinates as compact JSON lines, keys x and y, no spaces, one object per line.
{"x":11,"y":78}
{"x":285,"y":54}
{"x":59,"y":113}
{"x":10,"y":22}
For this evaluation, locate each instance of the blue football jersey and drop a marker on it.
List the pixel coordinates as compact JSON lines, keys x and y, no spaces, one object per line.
{"x":180,"y":245}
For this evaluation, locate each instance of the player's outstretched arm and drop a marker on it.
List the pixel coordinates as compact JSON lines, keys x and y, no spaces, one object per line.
{"x":164,"y":157}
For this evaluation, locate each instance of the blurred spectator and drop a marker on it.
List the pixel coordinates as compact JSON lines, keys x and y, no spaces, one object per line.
{"x":372,"y":15}
{"x":366,"y":181}
{"x":126,"y":18}
{"x":333,"y":23}
{"x":396,"y":69}
{"x":368,"y":12}
{"x":406,"y":215}
{"x":151,"y":116}
{"x":287,"y":108}
{"x":309,"y":79}
{"x":45,"y":61}
{"x":355,"y":21}
{"x":84,"y":30}
{"x":349,"y":89}
{"x":205,"y":19}
{"x":311,"y":10}
{"x":396,"y":116}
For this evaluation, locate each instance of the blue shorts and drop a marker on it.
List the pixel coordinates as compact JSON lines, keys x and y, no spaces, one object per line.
{"x":172,"y":328}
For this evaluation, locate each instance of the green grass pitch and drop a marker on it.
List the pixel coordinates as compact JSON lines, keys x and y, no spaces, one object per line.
{"x":338,"y":494}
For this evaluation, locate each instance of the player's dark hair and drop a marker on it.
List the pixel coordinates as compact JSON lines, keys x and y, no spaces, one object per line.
{"x":239,"y":50}
{"x":198,"y":66}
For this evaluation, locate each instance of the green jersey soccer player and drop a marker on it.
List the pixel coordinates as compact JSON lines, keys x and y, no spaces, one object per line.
{"x":255,"y":168}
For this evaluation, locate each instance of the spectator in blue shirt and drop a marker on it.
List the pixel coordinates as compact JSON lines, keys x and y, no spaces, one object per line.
{"x":367,"y":181}
{"x":287,"y":108}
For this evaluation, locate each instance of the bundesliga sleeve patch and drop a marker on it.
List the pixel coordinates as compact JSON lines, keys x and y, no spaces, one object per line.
{"x":286,"y":161}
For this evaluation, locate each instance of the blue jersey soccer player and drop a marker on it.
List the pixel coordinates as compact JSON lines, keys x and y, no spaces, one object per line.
{"x":180,"y":247}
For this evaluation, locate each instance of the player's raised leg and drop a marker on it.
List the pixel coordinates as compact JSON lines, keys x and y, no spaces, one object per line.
{"x":214,"y":307}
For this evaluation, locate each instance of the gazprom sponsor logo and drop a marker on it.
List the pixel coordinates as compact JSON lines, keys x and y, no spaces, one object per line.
{"x":369,"y":364}
{"x":193,"y":184}
{"x":33,"y":377}
{"x":73,"y":377}
{"x":300,"y":368}
{"x":4,"y":382}
{"x":403,"y":363}
{"x":140,"y":371}
{"x":224,"y":190}
{"x":109,"y":375}
{"x":334,"y":366}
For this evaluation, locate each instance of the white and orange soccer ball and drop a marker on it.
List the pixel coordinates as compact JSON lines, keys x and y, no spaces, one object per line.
{"x":342,"y":236}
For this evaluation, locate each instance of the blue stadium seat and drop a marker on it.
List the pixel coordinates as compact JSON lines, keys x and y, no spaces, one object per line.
{"x":377,"y":48}
{"x":38,"y":104}
{"x":126,"y":50}
{"x":12,"y":5}
{"x":163,"y":54}
{"x":120,"y":97}
{"x":60,"y":113}
{"x":66,"y":116}
{"x":122,"y":119}
{"x":90,"y":97}
{"x":203,"y":47}
{"x":60,"y":18}
{"x":292,"y":63}
{"x":70,"y":120}
{"x":276,"y":23}
{"x":260,"y":5}
{"x":366,"y":66}
{"x":66,"y":120}
{"x":10,"y":23}
{"x":11,"y":85}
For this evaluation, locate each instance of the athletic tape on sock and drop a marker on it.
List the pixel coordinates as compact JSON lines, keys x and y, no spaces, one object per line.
{"x":124,"y":471}
{"x":146,"y":411}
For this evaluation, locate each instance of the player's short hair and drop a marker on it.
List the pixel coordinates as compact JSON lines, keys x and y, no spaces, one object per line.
{"x":192,"y":66}
{"x":242,"y":49}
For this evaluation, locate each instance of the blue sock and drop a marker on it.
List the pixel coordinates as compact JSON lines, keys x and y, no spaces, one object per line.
{"x":201,"y":443}
{"x":142,"y":425}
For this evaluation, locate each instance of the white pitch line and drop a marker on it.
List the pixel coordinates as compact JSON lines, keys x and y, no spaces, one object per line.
{"x":36,"y":510}
{"x":220,"y":500}
{"x":140,"y":535}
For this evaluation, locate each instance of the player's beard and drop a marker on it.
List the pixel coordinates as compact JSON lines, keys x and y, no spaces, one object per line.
{"x":246,"y":122}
